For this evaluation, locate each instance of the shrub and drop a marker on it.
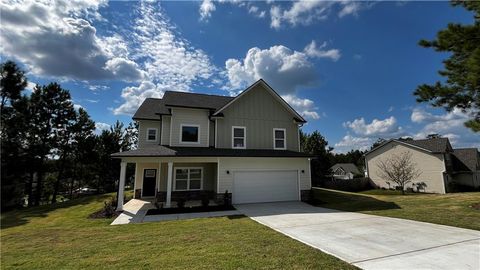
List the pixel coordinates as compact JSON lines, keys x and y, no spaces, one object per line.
{"x":205,"y":200}
{"x":181,"y":202}
{"x":356,"y":184}
{"x":227,"y":198}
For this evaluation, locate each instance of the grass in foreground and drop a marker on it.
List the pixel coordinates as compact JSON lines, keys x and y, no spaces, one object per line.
{"x":447,"y":209}
{"x":61,"y":237}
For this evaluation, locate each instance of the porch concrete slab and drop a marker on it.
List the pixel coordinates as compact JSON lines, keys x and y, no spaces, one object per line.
{"x":371,"y":242}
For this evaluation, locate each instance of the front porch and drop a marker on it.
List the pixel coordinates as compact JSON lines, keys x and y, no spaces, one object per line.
{"x":165,"y":183}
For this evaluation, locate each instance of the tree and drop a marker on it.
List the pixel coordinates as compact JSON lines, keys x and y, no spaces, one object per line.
{"x":399,"y":169}
{"x":434,"y":136}
{"x":461,"y":89}
{"x":317,"y":145}
{"x":378,"y":142}
{"x":12,"y":84}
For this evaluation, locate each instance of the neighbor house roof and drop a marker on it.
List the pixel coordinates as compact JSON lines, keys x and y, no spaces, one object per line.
{"x":433,"y":145}
{"x":466,"y":159}
{"x":347,"y":167}
{"x":164,"y":151}
{"x":151,"y":108}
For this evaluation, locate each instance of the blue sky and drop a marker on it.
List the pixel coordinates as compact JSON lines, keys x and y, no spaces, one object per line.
{"x":349,"y":67}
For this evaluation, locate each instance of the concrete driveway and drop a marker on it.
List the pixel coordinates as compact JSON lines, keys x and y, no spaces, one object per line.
{"x":371,"y":242}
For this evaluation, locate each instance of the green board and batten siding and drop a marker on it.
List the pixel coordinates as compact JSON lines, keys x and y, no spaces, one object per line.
{"x":260,"y":113}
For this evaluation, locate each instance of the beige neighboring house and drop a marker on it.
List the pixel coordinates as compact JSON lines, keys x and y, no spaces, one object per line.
{"x":196,"y":145}
{"x":439,"y":164}
{"x":345,"y":171}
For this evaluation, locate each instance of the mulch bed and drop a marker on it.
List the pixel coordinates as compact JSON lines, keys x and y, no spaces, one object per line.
{"x":101,"y":214}
{"x":193,"y":209}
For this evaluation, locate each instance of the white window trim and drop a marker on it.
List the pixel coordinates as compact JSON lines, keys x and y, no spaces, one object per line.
{"x":244,"y":137}
{"x":284,"y":139}
{"x":156,"y":134}
{"x":188,"y":178}
{"x":181,"y":133}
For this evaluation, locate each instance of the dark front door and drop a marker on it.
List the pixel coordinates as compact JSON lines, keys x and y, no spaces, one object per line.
{"x":149,"y":180}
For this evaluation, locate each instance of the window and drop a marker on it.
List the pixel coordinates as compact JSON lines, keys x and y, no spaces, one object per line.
{"x":188,"y":179}
{"x":279,"y":141}
{"x":190,"y":134}
{"x":151,"y":134}
{"x":238,"y":137}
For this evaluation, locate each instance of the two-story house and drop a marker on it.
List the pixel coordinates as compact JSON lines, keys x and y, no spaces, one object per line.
{"x":193,"y":145}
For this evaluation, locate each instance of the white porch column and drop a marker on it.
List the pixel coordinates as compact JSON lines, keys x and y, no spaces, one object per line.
{"x":169,"y":184}
{"x":121,"y":185}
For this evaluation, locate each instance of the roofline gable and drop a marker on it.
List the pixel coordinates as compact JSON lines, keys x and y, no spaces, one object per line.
{"x":273,"y":92}
{"x":398,"y":141}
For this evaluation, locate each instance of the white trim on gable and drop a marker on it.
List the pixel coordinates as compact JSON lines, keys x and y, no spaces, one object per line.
{"x":274,"y":94}
{"x":400,"y":142}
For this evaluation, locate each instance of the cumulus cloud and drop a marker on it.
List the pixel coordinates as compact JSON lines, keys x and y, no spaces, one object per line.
{"x":56,"y":38}
{"x":313,"y":51}
{"x":284,"y":69}
{"x":449,"y":124}
{"x":350,"y":142}
{"x":349,"y":8}
{"x":377,"y":128}
{"x":99,"y":127}
{"x":303,"y":106}
{"x":206,"y":9}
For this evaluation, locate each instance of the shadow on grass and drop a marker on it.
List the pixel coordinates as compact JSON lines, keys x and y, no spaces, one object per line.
{"x":20,"y":217}
{"x":350,"y":201}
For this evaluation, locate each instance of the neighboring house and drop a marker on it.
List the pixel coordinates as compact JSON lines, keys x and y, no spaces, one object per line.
{"x":195,"y":145}
{"x":439,"y":164}
{"x":344,"y":171}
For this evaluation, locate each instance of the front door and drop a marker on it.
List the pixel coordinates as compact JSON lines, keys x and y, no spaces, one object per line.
{"x":149,"y":180}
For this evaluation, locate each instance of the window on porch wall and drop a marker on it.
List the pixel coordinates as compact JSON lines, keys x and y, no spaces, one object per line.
{"x":188,"y":179}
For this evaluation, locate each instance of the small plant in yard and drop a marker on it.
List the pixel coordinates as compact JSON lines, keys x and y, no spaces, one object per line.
{"x":420,"y":186}
{"x":227,"y":198}
{"x":399,"y":169}
{"x":108,"y":210}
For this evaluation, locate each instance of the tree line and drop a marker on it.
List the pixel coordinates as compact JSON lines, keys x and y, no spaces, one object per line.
{"x":49,"y":149}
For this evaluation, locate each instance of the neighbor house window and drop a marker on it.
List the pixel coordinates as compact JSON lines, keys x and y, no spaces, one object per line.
{"x":238,"y":137}
{"x":151,"y":134}
{"x":188,"y":179}
{"x":190,"y":134}
{"x":279,"y":141}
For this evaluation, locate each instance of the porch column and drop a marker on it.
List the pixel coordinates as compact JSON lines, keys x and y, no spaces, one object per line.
{"x":169,"y":184}
{"x":121,"y":185}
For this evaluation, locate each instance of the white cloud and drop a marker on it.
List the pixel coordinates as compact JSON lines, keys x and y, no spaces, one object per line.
{"x":57,"y":39}
{"x":256,"y":11}
{"x":349,"y":8}
{"x":284,"y":69}
{"x":391,"y":108}
{"x":449,"y":124}
{"x":99,"y":127}
{"x":313,"y":51}
{"x":124,"y":68}
{"x":377,"y":128}
{"x":349,"y":142}
{"x":305,"y":107}
{"x":170,"y":62}
{"x":206,"y":9}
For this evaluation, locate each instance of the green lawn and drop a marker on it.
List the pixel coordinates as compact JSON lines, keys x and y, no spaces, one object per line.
{"x":451,"y":209}
{"x":62,"y":237}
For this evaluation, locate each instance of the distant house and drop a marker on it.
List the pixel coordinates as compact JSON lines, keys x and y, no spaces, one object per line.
{"x":440,"y":165}
{"x":344,"y":171}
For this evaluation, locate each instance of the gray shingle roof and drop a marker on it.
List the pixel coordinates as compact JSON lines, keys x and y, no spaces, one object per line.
{"x":195,"y":100}
{"x":347,"y":167}
{"x":163,"y":151}
{"x":150,"y":109}
{"x":436,"y":145}
{"x":465,"y":159}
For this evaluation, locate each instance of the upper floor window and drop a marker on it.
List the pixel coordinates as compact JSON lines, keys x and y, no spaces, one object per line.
{"x":190,"y":134}
{"x":279,"y":138}
{"x":238,"y":137}
{"x":152,"y":134}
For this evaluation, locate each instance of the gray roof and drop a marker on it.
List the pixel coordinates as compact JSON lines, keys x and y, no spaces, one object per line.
{"x":466,"y":159}
{"x":436,"y":145}
{"x":347,"y":167}
{"x":150,"y":109}
{"x":164,"y":151}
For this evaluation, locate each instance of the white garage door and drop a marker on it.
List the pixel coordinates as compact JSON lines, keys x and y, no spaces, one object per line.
{"x":265,"y":186}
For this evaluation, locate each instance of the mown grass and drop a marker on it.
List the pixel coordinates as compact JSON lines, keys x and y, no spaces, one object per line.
{"x":62,"y":237}
{"x":452,"y":209}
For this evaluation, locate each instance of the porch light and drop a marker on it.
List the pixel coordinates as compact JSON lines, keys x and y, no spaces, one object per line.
{"x":303,"y":171}
{"x":228,"y":172}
